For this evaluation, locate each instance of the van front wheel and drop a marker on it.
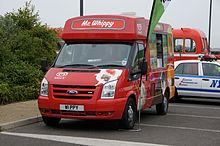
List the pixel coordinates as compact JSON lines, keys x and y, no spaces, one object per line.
{"x":129,"y":115}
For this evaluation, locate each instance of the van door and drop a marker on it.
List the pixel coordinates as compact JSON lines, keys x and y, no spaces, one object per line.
{"x":135,"y":73}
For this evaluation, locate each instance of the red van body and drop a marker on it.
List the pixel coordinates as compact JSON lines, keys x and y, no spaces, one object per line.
{"x":97,"y":72}
{"x":189,"y":44}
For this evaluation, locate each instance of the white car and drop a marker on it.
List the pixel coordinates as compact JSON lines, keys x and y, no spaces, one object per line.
{"x":197,"y":78}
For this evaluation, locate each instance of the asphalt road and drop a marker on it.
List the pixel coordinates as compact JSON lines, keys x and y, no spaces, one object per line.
{"x":189,"y":122}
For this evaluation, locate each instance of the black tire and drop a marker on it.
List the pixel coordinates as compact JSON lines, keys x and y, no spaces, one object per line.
{"x":51,"y":121}
{"x":129,"y":116}
{"x":162,"y":108}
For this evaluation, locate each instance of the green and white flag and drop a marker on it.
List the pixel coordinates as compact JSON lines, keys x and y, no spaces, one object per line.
{"x":157,"y":11}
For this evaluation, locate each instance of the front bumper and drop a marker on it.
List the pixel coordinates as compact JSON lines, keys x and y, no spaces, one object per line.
{"x":93,"y":109}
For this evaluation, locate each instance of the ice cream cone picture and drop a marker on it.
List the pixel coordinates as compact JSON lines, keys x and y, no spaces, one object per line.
{"x":107,"y":75}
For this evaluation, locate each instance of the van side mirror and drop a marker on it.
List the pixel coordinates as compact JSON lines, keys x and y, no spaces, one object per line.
{"x":44,"y":65}
{"x":144,"y":67}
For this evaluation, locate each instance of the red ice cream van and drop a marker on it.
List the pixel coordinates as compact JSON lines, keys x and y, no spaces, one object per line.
{"x":105,"y":71}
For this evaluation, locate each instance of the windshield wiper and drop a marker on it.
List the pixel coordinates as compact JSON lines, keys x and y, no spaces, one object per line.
{"x":78,"y":65}
{"x":110,"y":65}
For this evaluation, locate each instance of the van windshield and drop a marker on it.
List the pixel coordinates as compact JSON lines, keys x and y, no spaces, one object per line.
{"x":94,"y":55}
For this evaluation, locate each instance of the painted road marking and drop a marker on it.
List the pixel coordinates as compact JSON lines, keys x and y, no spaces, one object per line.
{"x":81,"y":140}
{"x":182,"y":128}
{"x":194,"y":116}
{"x":196,"y":107}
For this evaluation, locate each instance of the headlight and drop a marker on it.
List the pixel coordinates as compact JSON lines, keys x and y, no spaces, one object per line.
{"x":108,"y":91}
{"x":44,"y":88}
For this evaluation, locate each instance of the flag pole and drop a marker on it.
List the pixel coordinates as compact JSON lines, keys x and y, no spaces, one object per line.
{"x":139,"y":98}
{"x":81,"y":7}
{"x":210,"y":24}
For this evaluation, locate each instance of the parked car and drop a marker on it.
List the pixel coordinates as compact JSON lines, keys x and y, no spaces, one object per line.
{"x":197,"y":78}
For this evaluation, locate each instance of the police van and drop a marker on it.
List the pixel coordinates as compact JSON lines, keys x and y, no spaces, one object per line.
{"x":197,"y":78}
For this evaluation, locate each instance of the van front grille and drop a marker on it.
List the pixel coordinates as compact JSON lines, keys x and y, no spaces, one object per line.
{"x":73,"y":91}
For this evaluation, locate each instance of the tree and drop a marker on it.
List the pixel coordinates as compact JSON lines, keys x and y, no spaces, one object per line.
{"x":23,"y":42}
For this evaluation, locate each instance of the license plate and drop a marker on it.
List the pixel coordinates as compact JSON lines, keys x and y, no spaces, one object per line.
{"x":72,"y":107}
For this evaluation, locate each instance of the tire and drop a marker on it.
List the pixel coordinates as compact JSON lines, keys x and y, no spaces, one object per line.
{"x":162,"y":108}
{"x":51,"y":121}
{"x":129,"y":116}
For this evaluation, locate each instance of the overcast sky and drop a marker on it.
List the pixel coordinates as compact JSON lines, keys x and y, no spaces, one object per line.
{"x":180,"y":13}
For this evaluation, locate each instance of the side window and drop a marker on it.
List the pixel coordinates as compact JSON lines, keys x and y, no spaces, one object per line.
{"x":190,"y":45}
{"x":159,"y":41}
{"x":141,"y":51}
{"x":178,"y":45}
{"x":187,"y":69}
{"x":153,"y":51}
{"x":190,"y":69}
{"x":165,"y":50}
{"x":193,"y":45}
{"x":134,"y":66}
{"x":210,"y":69}
{"x":158,"y":47}
{"x":138,"y":57}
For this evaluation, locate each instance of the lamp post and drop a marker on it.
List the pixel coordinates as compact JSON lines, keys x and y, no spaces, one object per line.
{"x":81,"y":7}
{"x":210,"y":23}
